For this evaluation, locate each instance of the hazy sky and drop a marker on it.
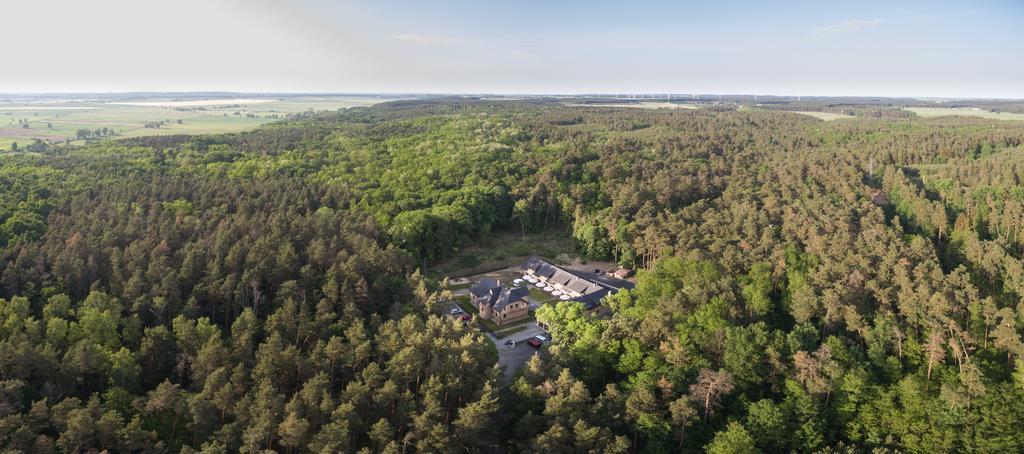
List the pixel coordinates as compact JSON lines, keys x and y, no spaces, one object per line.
{"x":824,"y":47}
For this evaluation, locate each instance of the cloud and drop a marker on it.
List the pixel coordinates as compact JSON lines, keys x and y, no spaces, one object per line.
{"x":426,"y":40}
{"x":847,"y":27}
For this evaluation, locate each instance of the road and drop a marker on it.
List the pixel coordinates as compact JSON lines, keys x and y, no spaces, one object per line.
{"x":513,"y":357}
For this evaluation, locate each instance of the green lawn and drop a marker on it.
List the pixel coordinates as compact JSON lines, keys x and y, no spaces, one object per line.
{"x":541,"y":296}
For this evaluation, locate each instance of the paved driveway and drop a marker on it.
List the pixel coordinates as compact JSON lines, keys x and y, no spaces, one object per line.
{"x":513,"y":357}
{"x":510,"y":357}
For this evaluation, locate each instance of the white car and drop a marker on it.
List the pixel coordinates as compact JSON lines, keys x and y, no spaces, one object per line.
{"x":456,"y":311}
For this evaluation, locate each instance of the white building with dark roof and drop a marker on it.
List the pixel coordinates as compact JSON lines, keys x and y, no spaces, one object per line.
{"x":584,"y":287}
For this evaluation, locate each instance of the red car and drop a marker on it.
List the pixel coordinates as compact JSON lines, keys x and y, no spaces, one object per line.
{"x":536,"y":341}
{"x":465,"y":318}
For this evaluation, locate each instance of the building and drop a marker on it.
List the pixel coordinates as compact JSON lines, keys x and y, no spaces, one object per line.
{"x":497,"y":303}
{"x":622,"y":273}
{"x":587,"y":288}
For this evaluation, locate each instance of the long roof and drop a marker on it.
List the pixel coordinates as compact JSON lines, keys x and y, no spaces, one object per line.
{"x":591,"y":287}
{"x":593,"y":299}
{"x":546,"y":270}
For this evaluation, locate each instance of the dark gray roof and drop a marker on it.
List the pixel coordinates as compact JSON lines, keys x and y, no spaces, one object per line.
{"x":533,"y":263}
{"x":593,"y":299}
{"x":545,"y":270}
{"x":605,"y":281}
{"x":510,"y":296}
{"x":483,"y":287}
{"x":562,"y":277}
{"x":591,"y":286}
{"x":580,"y":286}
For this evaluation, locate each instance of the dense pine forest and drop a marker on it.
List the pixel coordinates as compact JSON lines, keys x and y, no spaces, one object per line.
{"x":804,"y":286}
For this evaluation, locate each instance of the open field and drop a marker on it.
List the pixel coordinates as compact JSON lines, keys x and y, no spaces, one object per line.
{"x":827,"y":116}
{"x":928,"y":112}
{"x":5,"y":142}
{"x":498,"y":250}
{"x":59,"y":121}
{"x":199,"y":103}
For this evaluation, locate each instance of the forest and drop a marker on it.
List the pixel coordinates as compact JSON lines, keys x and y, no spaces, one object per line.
{"x":804,"y":286}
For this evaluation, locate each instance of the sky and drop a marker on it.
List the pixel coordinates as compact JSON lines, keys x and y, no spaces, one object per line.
{"x":827,"y":47}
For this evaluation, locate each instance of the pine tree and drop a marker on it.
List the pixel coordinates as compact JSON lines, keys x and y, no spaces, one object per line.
{"x":476,"y":420}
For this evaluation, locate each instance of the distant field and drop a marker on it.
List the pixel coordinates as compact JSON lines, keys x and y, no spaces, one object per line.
{"x":5,"y":142}
{"x":643,"y":105}
{"x":827,"y":116}
{"x":59,"y":121}
{"x":199,"y":103}
{"x":928,"y":112}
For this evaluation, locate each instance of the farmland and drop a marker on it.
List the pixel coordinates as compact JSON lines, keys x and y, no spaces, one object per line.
{"x":928,"y":112}
{"x":50,"y":120}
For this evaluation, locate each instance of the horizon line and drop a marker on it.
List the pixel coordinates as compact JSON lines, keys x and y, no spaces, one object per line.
{"x":610,"y":94}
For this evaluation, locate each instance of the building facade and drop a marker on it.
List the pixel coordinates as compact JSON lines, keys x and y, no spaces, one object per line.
{"x":498,"y":304}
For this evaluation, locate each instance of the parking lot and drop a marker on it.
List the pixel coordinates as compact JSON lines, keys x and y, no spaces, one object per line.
{"x":513,"y":351}
{"x":512,"y":359}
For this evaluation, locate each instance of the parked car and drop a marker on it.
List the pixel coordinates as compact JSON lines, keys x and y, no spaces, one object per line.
{"x":537,"y":341}
{"x":456,"y":311}
{"x":465,"y":318}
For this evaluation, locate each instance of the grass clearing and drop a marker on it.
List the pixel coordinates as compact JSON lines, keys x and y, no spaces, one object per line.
{"x":5,"y":142}
{"x":502,"y":250}
{"x":930,"y":112}
{"x":827,"y":116}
